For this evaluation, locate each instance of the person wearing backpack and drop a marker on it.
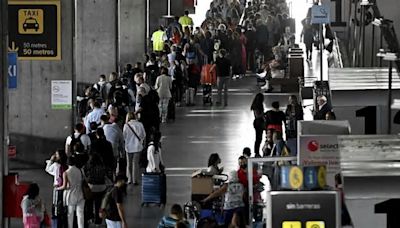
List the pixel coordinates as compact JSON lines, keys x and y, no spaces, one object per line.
{"x":78,"y":137}
{"x":134,"y":135}
{"x":95,"y":172}
{"x":112,"y":206}
{"x":94,"y":115}
{"x":101,"y":87}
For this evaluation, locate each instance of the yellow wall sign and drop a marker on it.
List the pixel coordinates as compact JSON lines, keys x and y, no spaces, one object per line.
{"x":34,"y":29}
{"x":296,"y":177}
{"x":317,"y":224}
{"x":291,"y":224}
{"x":30,"y":21}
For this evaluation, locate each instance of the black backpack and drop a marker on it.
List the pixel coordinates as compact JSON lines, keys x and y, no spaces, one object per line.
{"x":76,"y":142}
{"x":102,"y":91}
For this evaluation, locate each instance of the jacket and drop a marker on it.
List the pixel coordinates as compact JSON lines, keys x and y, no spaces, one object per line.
{"x":134,"y":144}
{"x":163,"y":86}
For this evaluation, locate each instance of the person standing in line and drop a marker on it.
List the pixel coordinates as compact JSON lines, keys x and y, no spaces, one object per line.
{"x":94,"y":115}
{"x":32,"y":207}
{"x":113,"y":134}
{"x":134,"y":135}
{"x":115,"y":214}
{"x":294,"y":112}
{"x":259,"y":125}
{"x":274,"y":118}
{"x":73,"y":194}
{"x":224,"y":68}
{"x":95,"y":171}
{"x":56,"y":167}
{"x":163,"y":86}
{"x":78,"y":136}
{"x":103,"y":148}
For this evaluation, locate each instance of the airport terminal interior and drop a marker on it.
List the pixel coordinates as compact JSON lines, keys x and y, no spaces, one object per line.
{"x":232,"y":113}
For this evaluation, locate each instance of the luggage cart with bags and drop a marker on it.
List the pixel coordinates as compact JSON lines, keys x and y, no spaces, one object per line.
{"x":208,"y":79}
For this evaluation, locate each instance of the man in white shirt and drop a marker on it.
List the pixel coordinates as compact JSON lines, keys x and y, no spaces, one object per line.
{"x":94,"y":115}
{"x":79,"y":134}
{"x":113,"y":134}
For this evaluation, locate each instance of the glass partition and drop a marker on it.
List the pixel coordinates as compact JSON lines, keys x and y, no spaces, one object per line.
{"x":263,"y":175}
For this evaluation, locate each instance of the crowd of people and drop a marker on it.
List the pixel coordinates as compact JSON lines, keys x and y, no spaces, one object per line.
{"x":118,"y":133}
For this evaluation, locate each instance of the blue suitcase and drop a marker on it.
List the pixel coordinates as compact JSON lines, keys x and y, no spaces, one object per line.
{"x":154,"y":188}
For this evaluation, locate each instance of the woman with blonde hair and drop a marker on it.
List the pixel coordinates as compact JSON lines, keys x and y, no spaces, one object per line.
{"x":134,"y":136}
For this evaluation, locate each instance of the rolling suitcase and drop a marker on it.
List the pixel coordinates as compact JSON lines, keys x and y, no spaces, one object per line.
{"x":189,"y":96}
{"x":207,"y":94}
{"x":171,"y":109}
{"x":154,"y":189}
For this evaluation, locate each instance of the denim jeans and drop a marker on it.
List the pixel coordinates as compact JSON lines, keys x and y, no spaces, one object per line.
{"x":223,"y":83}
{"x":163,"y":106}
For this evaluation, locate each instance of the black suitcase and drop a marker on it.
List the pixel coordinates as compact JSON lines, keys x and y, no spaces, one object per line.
{"x":207,"y":94}
{"x":171,"y":109}
{"x":154,"y":188}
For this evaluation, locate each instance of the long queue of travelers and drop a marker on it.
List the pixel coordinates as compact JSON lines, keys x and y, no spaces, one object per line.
{"x":119,"y":132}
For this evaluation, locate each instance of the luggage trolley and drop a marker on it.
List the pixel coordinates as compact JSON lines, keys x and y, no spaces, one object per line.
{"x":212,"y":210}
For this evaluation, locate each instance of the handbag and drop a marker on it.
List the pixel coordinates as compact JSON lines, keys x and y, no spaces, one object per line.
{"x":46,"y":220}
{"x":87,"y":192}
{"x":143,"y":154}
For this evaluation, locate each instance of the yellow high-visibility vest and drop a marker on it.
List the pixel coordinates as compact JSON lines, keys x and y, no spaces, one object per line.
{"x":185,"y":21}
{"x":158,"y":40}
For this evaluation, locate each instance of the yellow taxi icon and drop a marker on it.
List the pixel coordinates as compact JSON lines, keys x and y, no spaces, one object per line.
{"x":291,"y":224}
{"x":315,"y":224}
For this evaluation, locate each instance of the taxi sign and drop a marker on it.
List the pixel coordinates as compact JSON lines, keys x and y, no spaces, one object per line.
{"x":30,"y":21}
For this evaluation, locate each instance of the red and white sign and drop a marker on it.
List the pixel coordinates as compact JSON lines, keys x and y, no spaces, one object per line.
{"x":320,"y":150}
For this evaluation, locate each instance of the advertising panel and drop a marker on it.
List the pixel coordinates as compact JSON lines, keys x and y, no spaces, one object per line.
{"x":321,"y":150}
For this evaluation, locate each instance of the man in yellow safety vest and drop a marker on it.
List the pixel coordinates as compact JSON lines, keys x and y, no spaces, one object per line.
{"x":158,"y":38}
{"x":185,"y":21}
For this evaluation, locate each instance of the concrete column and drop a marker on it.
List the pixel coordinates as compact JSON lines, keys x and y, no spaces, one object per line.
{"x":132,"y":30}
{"x":96,"y":39}
{"x":3,"y":99}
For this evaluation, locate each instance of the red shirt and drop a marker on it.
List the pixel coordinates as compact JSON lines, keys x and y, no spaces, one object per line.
{"x":242,"y":175}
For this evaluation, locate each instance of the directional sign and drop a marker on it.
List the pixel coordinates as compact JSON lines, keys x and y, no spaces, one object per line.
{"x":35,"y":29}
{"x":320,"y":14}
{"x":12,"y":70}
